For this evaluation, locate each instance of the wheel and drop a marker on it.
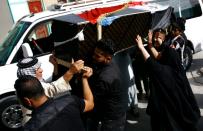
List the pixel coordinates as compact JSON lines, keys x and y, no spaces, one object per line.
{"x":11,"y":114}
{"x":187,"y":58}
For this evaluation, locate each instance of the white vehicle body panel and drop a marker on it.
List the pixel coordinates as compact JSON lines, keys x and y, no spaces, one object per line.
{"x":9,"y":74}
{"x":193,"y":31}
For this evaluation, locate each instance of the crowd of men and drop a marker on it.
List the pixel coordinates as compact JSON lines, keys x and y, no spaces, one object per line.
{"x":93,"y":96}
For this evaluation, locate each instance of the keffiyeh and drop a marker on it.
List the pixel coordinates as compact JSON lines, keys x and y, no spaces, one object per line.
{"x":28,"y":66}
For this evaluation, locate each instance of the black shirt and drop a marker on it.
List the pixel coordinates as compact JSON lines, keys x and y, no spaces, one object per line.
{"x":109,"y":95}
{"x":60,"y":114}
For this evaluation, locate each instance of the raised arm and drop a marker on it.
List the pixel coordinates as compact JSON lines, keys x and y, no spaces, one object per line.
{"x":87,"y":93}
{"x":153,"y":51}
{"x":142,"y":48}
{"x":153,"y":66}
{"x":62,"y":84}
{"x":75,"y":68}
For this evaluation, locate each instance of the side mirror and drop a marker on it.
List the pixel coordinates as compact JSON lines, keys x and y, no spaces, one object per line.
{"x":27,"y":52}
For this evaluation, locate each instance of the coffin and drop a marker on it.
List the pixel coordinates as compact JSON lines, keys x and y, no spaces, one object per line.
{"x":75,"y":35}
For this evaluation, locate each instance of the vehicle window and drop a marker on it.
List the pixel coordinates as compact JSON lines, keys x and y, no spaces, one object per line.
{"x":40,"y":38}
{"x":190,"y":9}
{"x":184,"y":8}
{"x":11,"y":40}
{"x":41,"y":31}
{"x":18,"y":56}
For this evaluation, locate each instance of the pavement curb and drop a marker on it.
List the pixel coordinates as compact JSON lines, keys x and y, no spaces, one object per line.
{"x":198,"y":75}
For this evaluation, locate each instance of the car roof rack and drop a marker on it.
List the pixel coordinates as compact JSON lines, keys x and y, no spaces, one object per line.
{"x":85,"y":5}
{"x":82,"y":5}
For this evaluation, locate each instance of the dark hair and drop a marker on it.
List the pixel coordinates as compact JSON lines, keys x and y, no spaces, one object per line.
{"x":106,"y":45}
{"x":28,"y":86}
{"x":181,"y":19}
{"x":179,"y":24}
{"x":160,"y":30}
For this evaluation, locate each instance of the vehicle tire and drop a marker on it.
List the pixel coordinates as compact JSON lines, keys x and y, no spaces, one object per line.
{"x":187,"y":58}
{"x":11,"y":114}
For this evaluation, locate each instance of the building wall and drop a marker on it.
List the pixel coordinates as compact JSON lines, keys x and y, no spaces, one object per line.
{"x":47,"y":3}
{"x":6,"y":20}
{"x":19,"y":8}
{"x":12,"y":10}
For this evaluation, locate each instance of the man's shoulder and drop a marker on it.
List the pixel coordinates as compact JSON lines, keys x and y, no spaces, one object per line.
{"x":111,"y":69}
{"x":113,"y":66}
{"x":53,"y":108}
{"x":65,"y":99}
{"x":180,"y":39}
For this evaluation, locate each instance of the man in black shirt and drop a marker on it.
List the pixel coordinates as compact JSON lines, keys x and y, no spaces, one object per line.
{"x":51,"y":114}
{"x":109,"y":96}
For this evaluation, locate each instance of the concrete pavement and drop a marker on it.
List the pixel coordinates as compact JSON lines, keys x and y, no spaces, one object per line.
{"x":195,"y":77}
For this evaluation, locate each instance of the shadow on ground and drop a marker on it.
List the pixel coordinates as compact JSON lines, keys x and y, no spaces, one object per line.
{"x":197,"y":63}
{"x":140,"y":123}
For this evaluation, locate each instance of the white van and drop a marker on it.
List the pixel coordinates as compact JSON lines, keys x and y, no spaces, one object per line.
{"x":36,"y":30}
{"x":191,"y":10}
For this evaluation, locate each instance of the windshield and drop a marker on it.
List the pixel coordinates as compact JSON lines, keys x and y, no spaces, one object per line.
{"x":183,"y":8}
{"x":11,"y":40}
